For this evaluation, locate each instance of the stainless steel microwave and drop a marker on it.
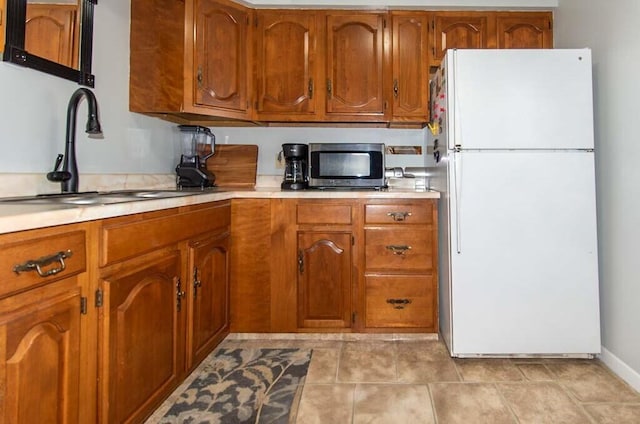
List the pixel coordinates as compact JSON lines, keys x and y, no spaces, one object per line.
{"x":346,"y":165}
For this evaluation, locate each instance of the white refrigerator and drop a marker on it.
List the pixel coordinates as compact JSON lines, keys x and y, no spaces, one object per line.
{"x":518,"y":261}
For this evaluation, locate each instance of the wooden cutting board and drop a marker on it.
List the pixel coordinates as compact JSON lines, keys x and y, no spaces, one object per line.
{"x":234,"y":165}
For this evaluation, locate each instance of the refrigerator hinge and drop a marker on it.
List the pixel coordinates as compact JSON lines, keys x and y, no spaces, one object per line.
{"x":457,"y":148}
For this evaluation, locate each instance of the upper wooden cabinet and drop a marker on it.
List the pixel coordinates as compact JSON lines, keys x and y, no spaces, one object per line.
{"x":458,"y":30}
{"x":286,"y":65}
{"x":480,"y":30}
{"x":409,"y":55}
{"x":220,"y":61}
{"x":190,"y":60}
{"x":524,"y":30}
{"x":355,"y":66}
{"x":216,"y":60}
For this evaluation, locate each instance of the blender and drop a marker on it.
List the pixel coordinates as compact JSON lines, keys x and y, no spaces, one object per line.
{"x":198,"y":145}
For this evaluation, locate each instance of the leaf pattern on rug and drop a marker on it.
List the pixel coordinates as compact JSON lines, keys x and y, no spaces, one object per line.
{"x":243,"y":386}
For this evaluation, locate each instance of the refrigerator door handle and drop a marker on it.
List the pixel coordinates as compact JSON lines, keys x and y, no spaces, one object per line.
{"x":457,"y":187}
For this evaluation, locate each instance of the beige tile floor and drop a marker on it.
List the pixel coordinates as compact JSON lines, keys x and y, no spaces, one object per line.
{"x":400,"y":381}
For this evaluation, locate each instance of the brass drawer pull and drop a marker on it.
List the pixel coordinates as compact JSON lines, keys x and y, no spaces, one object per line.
{"x":399,"y":216}
{"x":398,"y":250}
{"x":399,"y":303}
{"x":38,"y":264}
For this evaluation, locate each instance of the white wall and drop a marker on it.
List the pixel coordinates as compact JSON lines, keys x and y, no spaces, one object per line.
{"x":33,"y":108}
{"x":610,"y":29}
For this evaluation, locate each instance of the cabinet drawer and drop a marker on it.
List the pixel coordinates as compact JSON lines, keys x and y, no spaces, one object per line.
{"x":401,"y":213}
{"x":58,"y":256}
{"x":400,"y":301}
{"x":132,"y":236}
{"x":399,"y":249}
{"x":317,"y":213}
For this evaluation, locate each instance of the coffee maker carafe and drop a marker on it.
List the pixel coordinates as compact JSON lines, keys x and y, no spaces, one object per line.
{"x":198,"y":145}
{"x":295,"y":168}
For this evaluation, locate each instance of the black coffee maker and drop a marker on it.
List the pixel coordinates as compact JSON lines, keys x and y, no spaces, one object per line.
{"x":198,"y":145}
{"x":295,"y":168}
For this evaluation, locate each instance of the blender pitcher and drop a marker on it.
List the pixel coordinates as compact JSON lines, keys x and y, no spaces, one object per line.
{"x":198,"y":145}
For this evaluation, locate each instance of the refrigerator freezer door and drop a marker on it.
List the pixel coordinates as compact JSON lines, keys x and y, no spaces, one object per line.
{"x":520,"y":99}
{"x":524,"y":276}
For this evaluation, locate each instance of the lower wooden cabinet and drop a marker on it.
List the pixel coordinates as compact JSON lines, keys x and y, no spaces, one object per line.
{"x":40,"y":352}
{"x":46,"y":367}
{"x":400,"y":301}
{"x":208,"y":297}
{"x":164,"y":288}
{"x":339,"y":265}
{"x":324,"y":279}
{"x":142,"y":334}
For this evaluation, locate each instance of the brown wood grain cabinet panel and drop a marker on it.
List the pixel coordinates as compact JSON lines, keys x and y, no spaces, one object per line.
{"x":156,"y":58}
{"x":41,"y":245}
{"x":221,"y":52}
{"x":286,"y":62}
{"x":410,"y":52}
{"x":51,"y":32}
{"x":460,"y":30}
{"x":251,"y":262}
{"x":48,"y":342}
{"x":399,"y":213}
{"x":404,"y":249}
{"x":324,"y":279}
{"x":143,"y":327}
{"x":3,"y":18}
{"x":40,"y":360}
{"x":126,"y":237}
{"x":207,"y":296}
{"x":323,"y":213}
{"x":400,"y":301}
{"x":524,"y":30}
{"x":355,"y":64}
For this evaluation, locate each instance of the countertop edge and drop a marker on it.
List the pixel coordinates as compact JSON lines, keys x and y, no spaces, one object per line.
{"x":20,"y":217}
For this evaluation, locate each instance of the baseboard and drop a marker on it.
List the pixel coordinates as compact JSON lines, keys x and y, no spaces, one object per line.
{"x":619,"y":367}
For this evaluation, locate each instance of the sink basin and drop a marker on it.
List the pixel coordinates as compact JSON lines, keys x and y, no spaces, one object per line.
{"x":100,"y":198}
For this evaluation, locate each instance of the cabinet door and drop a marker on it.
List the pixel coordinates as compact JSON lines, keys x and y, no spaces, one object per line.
{"x":524,"y":30}
{"x":220,"y":62}
{"x":459,"y":30}
{"x":286,"y":63}
{"x":355,"y":65}
{"x":324,"y":279}
{"x":208,"y":297}
{"x":142,"y":355}
{"x":409,"y":56}
{"x":39,"y":364}
{"x":50,"y":32}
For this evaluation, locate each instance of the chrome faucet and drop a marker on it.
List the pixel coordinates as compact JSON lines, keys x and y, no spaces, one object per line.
{"x":68,"y":176}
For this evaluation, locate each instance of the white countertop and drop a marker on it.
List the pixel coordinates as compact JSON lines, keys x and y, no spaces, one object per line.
{"x":18,"y":217}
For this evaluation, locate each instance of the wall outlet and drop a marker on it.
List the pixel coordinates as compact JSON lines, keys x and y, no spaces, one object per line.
{"x":279,"y":160}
